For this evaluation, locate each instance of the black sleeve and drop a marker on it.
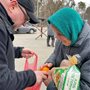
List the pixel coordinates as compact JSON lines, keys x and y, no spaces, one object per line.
{"x":18,"y":51}
{"x":11,"y":79}
{"x":85,"y":76}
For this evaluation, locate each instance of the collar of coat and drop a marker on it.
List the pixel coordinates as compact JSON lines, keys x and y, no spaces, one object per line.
{"x":83,"y":35}
{"x":7,"y":21}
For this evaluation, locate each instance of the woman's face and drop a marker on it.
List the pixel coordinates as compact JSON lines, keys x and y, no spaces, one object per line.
{"x":60,"y":37}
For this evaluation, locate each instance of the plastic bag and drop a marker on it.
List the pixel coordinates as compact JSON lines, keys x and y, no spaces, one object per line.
{"x":67,"y":78}
{"x":32,"y":66}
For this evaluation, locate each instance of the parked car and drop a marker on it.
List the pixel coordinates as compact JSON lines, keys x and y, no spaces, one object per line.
{"x":27,"y":28}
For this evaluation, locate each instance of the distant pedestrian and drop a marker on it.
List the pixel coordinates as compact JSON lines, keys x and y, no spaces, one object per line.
{"x":50,"y":35}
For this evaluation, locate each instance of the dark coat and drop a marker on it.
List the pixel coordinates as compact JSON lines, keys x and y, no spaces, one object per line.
{"x":9,"y":78}
{"x":49,"y":31}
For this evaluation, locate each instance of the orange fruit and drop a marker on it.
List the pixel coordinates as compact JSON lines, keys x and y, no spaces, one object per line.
{"x":46,"y":68}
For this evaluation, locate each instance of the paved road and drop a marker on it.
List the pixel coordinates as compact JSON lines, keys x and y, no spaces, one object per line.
{"x":39,"y":46}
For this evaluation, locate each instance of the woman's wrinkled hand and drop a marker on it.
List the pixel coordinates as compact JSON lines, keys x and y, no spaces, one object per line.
{"x":65,"y":63}
{"x":50,"y":75}
{"x":49,"y":65}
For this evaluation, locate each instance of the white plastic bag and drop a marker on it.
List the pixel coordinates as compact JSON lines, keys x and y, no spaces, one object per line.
{"x":67,"y":78}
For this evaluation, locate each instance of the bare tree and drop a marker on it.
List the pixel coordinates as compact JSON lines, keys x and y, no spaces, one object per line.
{"x":87,"y":15}
{"x":81,"y":5}
{"x":81,"y":8}
{"x":45,"y":8}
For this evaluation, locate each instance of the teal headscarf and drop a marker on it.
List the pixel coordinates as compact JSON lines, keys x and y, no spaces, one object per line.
{"x":68,"y":22}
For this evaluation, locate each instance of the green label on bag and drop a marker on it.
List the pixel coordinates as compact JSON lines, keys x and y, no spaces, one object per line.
{"x":67,"y":78}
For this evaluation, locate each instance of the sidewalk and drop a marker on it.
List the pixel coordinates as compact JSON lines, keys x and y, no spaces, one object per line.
{"x":39,"y":46}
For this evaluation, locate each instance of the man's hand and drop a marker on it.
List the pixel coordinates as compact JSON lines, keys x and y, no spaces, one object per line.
{"x":26,"y":53}
{"x":40,"y":76}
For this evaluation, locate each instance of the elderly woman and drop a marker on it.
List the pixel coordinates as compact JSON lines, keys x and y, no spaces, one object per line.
{"x":73,"y":35}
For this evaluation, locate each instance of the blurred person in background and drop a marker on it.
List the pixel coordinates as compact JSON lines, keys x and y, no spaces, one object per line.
{"x":50,"y":36}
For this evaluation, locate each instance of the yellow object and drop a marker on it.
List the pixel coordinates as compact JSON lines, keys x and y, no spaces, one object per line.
{"x":73,"y":60}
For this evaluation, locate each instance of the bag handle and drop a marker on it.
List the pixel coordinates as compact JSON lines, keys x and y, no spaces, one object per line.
{"x":34,"y":64}
{"x":36,"y":59}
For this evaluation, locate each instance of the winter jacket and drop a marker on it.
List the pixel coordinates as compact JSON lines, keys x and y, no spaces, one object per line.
{"x":9,"y":78}
{"x":81,"y":47}
{"x":49,"y":31}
